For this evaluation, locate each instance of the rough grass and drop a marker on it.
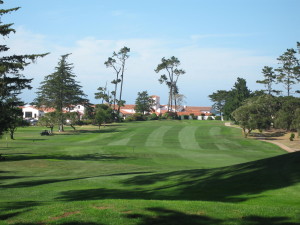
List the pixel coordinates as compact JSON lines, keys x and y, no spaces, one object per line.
{"x":156,"y":172}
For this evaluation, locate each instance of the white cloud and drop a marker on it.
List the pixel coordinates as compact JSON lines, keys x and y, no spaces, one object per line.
{"x":207,"y":69}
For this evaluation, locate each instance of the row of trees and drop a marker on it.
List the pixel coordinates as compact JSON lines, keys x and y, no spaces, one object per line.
{"x":262,"y":109}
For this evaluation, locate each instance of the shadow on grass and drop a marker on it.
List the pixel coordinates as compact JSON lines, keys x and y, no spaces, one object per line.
{"x":33,"y":183}
{"x":228,"y":184}
{"x":164,"y":216}
{"x":86,"y":157}
{"x":78,"y":132}
{"x":172,"y":217}
{"x":17,"y":208}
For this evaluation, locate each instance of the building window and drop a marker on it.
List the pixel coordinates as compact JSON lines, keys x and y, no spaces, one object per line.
{"x":28,"y":114}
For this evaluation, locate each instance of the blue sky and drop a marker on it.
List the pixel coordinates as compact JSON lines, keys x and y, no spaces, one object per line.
{"x":216,"y":41}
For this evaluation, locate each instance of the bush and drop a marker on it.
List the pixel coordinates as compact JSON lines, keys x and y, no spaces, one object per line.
{"x":186,"y":117}
{"x":139,"y":117}
{"x":217,"y":117}
{"x":170,"y":115}
{"x":292,"y":136}
{"x":153,"y":116}
{"x":129,"y":119}
{"x":209,"y":118}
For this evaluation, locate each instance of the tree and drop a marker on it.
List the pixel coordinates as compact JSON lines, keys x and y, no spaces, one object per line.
{"x":256,"y":113}
{"x":16,"y":119}
{"x":285,"y":117}
{"x":270,"y":79}
{"x":143,"y":103}
{"x":179,"y":101}
{"x":72,"y":119}
{"x":288,"y":73}
{"x":117,"y":62}
{"x":12,"y":82}
{"x":219,"y":100}
{"x":103,"y":114}
{"x":104,"y":95}
{"x":60,"y":89}
{"x":236,"y":96}
{"x":173,"y":73}
{"x":296,"y":121}
{"x":49,"y":120}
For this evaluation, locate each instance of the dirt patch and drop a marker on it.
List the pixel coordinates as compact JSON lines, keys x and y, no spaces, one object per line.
{"x":66,"y":214}
{"x":280,"y":138}
{"x":127,"y":212}
{"x":101,"y":207}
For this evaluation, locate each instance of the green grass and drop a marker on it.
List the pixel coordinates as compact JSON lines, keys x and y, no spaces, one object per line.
{"x":156,"y":172}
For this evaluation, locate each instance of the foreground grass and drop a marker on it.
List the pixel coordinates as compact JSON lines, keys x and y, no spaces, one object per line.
{"x":158,"y":172}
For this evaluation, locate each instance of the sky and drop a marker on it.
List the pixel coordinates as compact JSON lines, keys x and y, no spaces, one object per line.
{"x":216,"y":41}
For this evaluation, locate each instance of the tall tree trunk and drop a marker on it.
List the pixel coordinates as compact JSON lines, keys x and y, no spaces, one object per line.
{"x":120,"y":96}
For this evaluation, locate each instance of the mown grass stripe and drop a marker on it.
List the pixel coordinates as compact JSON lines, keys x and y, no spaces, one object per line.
{"x":155,"y":139}
{"x":187,"y":138}
{"x":123,"y":141}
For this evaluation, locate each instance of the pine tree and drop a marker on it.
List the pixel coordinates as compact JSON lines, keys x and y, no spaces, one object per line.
{"x":236,"y":96}
{"x":117,"y":62}
{"x":270,"y":79}
{"x":12,"y":82}
{"x":288,"y":73}
{"x":60,"y":89}
{"x":173,"y":73}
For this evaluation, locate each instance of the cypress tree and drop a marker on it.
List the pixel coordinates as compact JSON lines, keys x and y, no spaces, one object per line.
{"x":60,"y":90}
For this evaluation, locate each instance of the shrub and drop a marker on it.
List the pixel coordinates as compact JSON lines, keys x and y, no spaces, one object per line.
{"x":129,"y":119}
{"x":170,"y":115}
{"x":153,"y":116}
{"x":139,"y":117}
{"x":292,"y":136}
{"x":186,"y":117}
{"x":209,"y":118}
{"x":217,"y":117}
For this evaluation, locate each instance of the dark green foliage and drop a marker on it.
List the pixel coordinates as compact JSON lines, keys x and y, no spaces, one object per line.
{"x":60,"y":89}
{"x":153,"y":116}
{"x":103,"y":115}
{"x":143,"y":103}
{"x":292,"y":137}
{"x":218,"y":118}
{"x":12,"y":82}
{"x":219,"y":99}
{"x":256,"y":113}
{"x":235,"y":98}
{"x":104,"y":95}
{"x":270,"y":79}
{"x":288,"y":73}
{"x":287,"y":114}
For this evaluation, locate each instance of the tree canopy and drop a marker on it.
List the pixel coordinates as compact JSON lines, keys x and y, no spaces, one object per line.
{"x":12,"y":82}
{"x":170,"y":66}
{"x":143,"y":103}
{"x":60,"y":89}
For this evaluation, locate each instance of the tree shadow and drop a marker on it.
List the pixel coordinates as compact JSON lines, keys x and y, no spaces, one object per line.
{"x":65,"y":223}
{"x":172,"y":217}
{"x":78,"y":132}
{"x":17,"y":207}
{"x":228,"y":184}
{"x":32,"y":183}
{"x":86,"y":157}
